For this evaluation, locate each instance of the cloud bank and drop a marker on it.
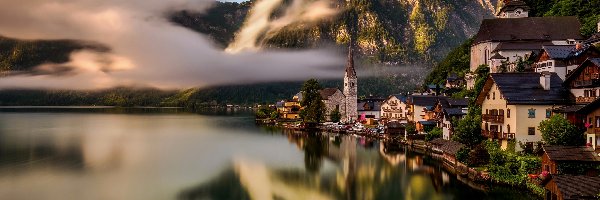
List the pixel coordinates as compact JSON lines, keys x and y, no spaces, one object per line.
{"x":146,"y":49}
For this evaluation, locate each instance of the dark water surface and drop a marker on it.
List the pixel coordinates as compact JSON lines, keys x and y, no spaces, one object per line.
{"x":130,"y":154}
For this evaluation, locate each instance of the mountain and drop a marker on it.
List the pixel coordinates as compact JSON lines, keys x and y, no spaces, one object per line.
{"x":388,"y":32}
{"x":385,"y":31}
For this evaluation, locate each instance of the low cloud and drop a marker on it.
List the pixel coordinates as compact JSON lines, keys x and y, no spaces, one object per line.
{"x":146,"y":49}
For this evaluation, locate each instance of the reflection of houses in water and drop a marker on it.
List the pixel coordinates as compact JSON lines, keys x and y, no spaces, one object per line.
{"x":358,"y":173}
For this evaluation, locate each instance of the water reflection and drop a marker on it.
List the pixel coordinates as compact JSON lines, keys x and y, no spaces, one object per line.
{"x":359,"y":168}
{"x":86,"y":155}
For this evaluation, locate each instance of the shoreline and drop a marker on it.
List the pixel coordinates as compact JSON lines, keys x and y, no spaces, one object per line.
{"x":467,"y":175}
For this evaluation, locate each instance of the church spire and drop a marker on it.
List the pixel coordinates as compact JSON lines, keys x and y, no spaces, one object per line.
{"x":350,"y":71}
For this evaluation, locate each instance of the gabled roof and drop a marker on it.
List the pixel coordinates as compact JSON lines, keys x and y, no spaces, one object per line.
{"x":590,"y":107}
{"x":424,"y":100}
{"x":447,"y":146}
{"x":577,"y":187}
{"x":523,"y":45}
{"x":497,"y":56}
{"x":327,"y":92}
{"x":458,"y":102}
{"x":593,"y":39}
{"x":559,"y":51}
{"x":571,"y":153}
{"x":529,"y":29}
{"x":375,"y":106}
{"x":525,"y":88}
{"x":574,"y":74}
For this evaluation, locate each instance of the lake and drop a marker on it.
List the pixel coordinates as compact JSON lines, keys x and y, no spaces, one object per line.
{"x":152,"y":153}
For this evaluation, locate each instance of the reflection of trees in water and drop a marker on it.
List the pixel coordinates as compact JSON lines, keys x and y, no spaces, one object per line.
{"x":225,"y":186}
{"x":315,"y":148}
{"x":386,"y":172}
{"x":41,"y":154}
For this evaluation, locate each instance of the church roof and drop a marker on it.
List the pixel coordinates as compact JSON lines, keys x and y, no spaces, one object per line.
{"x":529,"y":29}
{"x":350,"y":71}
{"x":327,"y":92}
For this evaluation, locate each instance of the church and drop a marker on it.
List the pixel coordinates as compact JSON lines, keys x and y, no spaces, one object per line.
{"x":346,"y":101}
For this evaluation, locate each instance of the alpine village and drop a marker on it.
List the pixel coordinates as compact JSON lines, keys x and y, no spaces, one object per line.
{"x":527,"y":114}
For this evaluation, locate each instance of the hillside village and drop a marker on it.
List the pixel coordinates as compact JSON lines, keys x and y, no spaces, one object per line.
{"x":525,"y":72}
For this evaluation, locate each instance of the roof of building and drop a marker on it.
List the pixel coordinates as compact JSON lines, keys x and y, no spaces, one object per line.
{"x":401,"y":97}
{"x":454,"y":112}
{"x":497,"y":56}
{"x":568,"y":108}
{"x":457,"y":102}
{"x":559,"y":51}
{"x":524,"y":45}
{"x":575,"y":73}
{"x":374,"y":106}
{"x":593,"y":39}
{"x":447,"y":146}
{"x":525,"y":88}
{"x":424,"y":100}
{"x":590,"y":107}
{"x":577,"y":187}
{"x":571,"y":153}
{"x":529,"y":29}
{"x":327,"y":92}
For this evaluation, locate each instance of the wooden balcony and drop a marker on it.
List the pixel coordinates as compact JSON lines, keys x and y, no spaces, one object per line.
{"x":498,"y":135}
{"x":585,"y":99}
{"x":587,"y":83}
{"x":493,"y":118}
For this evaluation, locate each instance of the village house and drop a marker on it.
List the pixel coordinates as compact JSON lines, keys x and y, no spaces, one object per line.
{"x":557,"y":159}
{"x":584,"y":82}
{"x":454,"y":82}
{"x":370,"y":109}
{"x":563,"y":59}
{"x":420,"y":111}
{"x":515,"y":35}
{"x":567,"y":187}
{"x":395,"y":108}
{"x":446,"y":110}
{"x":591,"y":117}
{"x":289,"y":109}
{"x":514,"y":104}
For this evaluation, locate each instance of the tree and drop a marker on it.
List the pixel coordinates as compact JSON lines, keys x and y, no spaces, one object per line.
{"x":559,"y":131}
{"x":468,"y":129}
{"x":314,"y":108}
{"x":335,"y":115}
{"x":520,"y":65}
{"x":434,"y":133}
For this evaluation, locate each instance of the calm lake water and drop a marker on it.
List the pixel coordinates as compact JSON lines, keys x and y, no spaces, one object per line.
{"x":81,"y":153}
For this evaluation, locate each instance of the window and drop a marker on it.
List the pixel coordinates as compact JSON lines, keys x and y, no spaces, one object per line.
{"x":493,"y":95}
{"x":508,"y":113}
{"x":531,"y":131}
{"x":531,"y":113}
{"x":550,"y":64}
{"x":597,"y":122}
{"x":548,"y":113}
{"x":501,"y":112}
{"x":508,"y":128}
{"x":487,"y":96}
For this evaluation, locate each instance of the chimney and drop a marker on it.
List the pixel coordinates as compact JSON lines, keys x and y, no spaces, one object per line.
{"x":545,"y":80}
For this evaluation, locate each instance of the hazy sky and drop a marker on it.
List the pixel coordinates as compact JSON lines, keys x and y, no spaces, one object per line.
{"x":148,"y":50}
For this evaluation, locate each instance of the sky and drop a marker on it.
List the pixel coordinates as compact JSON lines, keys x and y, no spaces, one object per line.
{"x":147,"y":50}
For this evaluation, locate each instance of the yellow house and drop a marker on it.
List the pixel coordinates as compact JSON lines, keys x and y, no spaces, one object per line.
{"x":290,"y":109}
{"x":514,"y":104}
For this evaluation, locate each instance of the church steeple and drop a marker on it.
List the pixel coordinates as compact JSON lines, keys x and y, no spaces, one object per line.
{"x":350,"y":71}
{"x":350,"y":88}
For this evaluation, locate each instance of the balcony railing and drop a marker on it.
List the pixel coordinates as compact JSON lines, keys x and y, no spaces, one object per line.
{"x":587,"y":83}
{"x":498,"y":135}
{"x":493,"y":118}
{"x":585,"y":99}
